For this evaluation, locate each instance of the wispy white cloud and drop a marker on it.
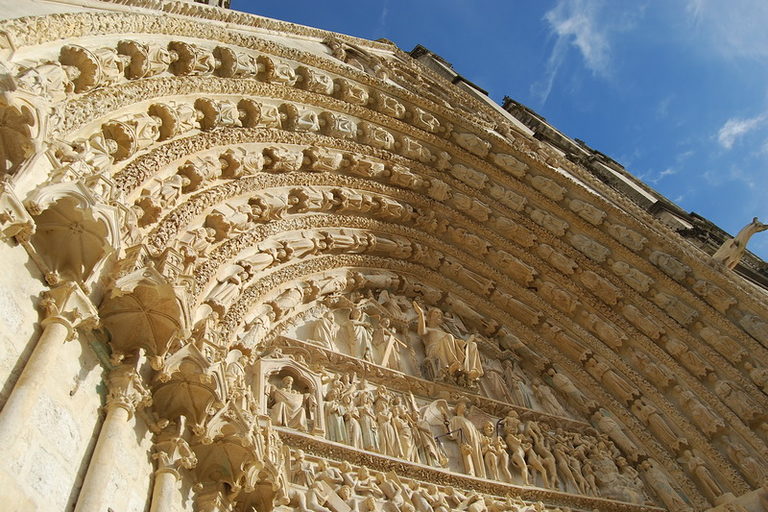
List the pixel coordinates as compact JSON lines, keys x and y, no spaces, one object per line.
{"x":655,"y":178}
{"x":662,"y":108}
{"x":383,"y":15}
{"x":735,"y":128}
{"x":733,"y":29}
{"x":585,"y":26}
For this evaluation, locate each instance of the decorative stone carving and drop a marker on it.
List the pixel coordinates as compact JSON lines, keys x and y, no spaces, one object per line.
{"x":714,"y":295}
{"x":96,"y":68}
{"x":642,"y":322}
{"x":472,"y":143}
{"x":628,"y":237}
{"x":548,"y":221}
{"x":670,"y":265}
{"x":510,"y":164}
{"x":587,"y":211}
{"x":453,"y":356}
{"x":633,"y":277}
{"x":590,"y":248}
{"x":548,"y":187}
{"x":601,"y":287}
{"x":730,"y":252}
{"x":557,"y":259}
{"x":676,"y":308}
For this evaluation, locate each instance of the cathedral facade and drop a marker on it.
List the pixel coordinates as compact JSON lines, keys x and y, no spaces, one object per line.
{"x":252,"y":266}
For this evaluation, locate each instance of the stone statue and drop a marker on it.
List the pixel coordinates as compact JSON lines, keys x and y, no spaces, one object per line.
{"x":697,"y":467}
{"x":334,"y":417}
{"x":659,"y":482}
{"x":516,"y":385}
{"x":389,"y":345}
{"x":290,"y":408}
{"x":302,"y":470}
{"x":454,"y":354}
{"x":352,"y":421}
{"x":495,"y":454}
{"x":360,"y":334}
{"x":730,"y":253}
{"x":516,"y":447}
{"x":466,"y":434}
{"x":324,"y":330}
{"x":546,"y":399}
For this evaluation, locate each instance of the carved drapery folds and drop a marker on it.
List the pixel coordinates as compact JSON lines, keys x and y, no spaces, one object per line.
{"x":312,"y":248}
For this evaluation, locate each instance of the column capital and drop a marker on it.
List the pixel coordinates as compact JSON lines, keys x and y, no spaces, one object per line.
{"x":15,"y":220}
{"x":67,"y":304}
{"x":171,"y":450}
{"x":126,"y":387}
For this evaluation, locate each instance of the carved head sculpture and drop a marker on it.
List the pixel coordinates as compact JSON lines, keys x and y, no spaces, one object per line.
{"x":488,"y":428}
{"x":434,"y":317}
{"x":345,"y":492}
{"x":287,"y":382}
{"x":355,"y":313}
{"x":461,"y":407}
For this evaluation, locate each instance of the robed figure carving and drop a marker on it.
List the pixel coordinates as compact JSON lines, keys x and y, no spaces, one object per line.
{"x":456,"y":356}
{"x":289,"y":407}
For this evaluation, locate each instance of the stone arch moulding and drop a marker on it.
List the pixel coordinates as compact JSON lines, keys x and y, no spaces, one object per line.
{"x":327,"y":278}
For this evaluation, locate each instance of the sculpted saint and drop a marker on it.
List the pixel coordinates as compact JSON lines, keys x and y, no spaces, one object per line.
{"x":288,"y":409}
{"x":470,"y":441}
{"x":454,"y":354}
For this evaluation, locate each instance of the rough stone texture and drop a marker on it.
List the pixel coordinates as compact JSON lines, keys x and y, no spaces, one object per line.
{"x":235,"y":253}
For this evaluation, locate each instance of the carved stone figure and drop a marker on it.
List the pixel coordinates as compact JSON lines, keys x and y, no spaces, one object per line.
{"x":291,"y":408}
{"x":633,"y":277}
{"x":670,"y":265}
{"x":698,"y":468}
{"x":335,"y":428}
{"x":659,"y":482}
{"x":587,"y":211}
{"x":360,"y":333}
{"x":453,"y":353}
{"x":731,"y":251}
{"x":739,"y":402}
{"x":465,"y":433}
{"x":546,"y":399}
{"x":495,"y":454}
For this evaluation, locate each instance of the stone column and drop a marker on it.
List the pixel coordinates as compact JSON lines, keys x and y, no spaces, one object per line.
{"x":66,"y":308}
{"x":171,"y":454}
{"x":126,"y":394}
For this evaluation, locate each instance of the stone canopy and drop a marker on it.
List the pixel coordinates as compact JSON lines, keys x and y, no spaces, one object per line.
{"x":284,"y":269}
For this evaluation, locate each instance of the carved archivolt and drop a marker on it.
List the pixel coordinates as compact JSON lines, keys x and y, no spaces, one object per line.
{"x":325,"y":249}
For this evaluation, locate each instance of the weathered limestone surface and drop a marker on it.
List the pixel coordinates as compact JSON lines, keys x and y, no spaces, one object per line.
{"x":250,"y":265}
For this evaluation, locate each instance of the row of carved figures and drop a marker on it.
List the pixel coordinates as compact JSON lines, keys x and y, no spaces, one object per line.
{"x":323,"y":486}
{"x":438,"y":435}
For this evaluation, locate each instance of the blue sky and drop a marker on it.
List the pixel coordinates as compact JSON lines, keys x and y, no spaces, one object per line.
{"x":674,"y":90}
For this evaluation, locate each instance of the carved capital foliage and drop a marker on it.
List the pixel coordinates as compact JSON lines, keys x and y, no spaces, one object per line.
{"x":126,"y":388}
{"x":68,"y":305}
{"x":171,"y":450}
{"x":15,"y":220}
